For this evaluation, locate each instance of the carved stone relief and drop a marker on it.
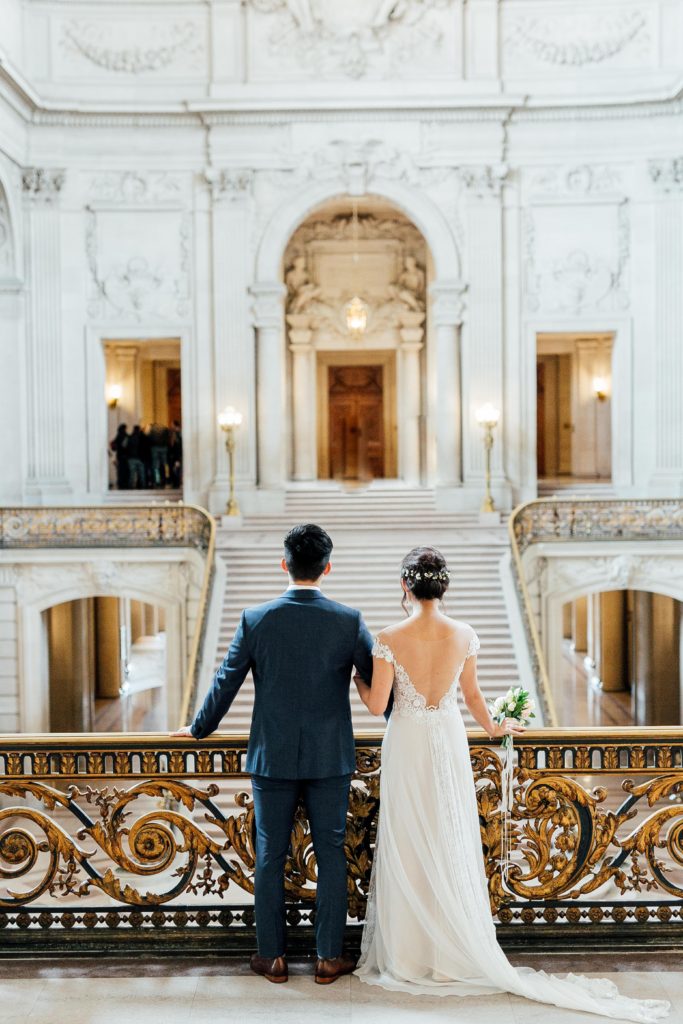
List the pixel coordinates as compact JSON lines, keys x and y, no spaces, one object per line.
{"x":150,"y":276}
{"x":127,"y":48}
{"x":354,"y":38}
{"x":132,"y":187}
{"x":586,"y":273}
{"x":575,"y":181}
{"x":576,"y":39}
{"x":42,"y":184}
{"x":320,"y":276}
{"x":609,"y":572}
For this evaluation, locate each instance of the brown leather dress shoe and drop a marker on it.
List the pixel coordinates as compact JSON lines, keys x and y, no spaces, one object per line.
{"x":271,"y":968}
{"x":327,"y":971}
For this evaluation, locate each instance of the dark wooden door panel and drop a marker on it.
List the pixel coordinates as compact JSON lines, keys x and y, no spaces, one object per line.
{"x":356,"y":427}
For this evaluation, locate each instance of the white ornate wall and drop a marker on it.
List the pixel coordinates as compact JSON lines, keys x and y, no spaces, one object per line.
{"x":156,"y":157}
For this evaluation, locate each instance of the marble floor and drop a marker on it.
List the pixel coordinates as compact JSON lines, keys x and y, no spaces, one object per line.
{"x":210,"y":991}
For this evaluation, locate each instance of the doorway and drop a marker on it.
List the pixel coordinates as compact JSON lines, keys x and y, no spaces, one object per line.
{"x":144,"y":400}
{"x":106,"y":665}
{"x":356,"y":416}
{"x":573,"y":408}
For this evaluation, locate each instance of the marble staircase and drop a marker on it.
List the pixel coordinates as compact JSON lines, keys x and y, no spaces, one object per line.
{"x":372,"y":530}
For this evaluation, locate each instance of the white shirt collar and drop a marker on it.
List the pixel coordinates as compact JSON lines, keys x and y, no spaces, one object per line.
{"x":303,"y":586}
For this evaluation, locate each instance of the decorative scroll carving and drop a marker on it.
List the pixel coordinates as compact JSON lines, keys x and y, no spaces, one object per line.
{"x":93,"y":527}
{"x":155,"y":810}
{"x":578,"y":280}
{"x":485,"y":181}
{"x":579,"y":180}
{"x":165,"y":44}
{"x":572,"y":42}
{"x":231,"y":183}
{"x":130,"y":188}
{"x":350,"y":39}
{"x":134,"y":287}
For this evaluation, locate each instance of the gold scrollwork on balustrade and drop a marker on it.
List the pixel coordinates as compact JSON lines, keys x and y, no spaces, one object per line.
{"x":596,"y":830}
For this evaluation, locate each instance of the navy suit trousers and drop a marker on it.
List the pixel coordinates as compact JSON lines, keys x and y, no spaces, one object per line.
{"x":275,"y":802}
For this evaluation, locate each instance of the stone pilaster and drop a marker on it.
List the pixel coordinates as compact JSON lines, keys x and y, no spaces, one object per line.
{"x":46,"y":477}
{"x":667,"y":479}
{"x":410,"y":396}
{"x":482,"y":355}
{"x":232,"y":352}
{"x":303,"y":398}
{"x":268,"y":313}
{"x":447,"y":309}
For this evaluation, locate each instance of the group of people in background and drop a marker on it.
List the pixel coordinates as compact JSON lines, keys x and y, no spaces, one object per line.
{"x":150,"y":456}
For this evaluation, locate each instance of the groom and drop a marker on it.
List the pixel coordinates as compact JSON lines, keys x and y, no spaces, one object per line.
{"x":302,"y":649}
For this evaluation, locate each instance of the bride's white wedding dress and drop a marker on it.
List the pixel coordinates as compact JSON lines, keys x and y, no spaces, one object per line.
{"x":429,"y":928}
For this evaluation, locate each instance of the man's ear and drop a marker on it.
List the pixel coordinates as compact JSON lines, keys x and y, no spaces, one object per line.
{"x":283,"y":565}
{"x":327,"y":569}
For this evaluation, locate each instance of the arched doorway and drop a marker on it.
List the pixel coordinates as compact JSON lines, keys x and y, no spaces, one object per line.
{"x":356,"y":273}
{"x":437,"y":408}
{"x":105,"y":660}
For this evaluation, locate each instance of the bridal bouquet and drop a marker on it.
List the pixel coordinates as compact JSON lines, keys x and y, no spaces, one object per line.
{"x":518,"y":704}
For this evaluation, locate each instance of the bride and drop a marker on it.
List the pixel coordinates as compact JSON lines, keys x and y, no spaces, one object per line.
{"x":429,"y":928}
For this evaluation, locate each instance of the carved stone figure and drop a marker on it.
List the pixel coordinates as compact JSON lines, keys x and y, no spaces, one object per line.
{"x":410,"y":285}
{"x":301,"y":290}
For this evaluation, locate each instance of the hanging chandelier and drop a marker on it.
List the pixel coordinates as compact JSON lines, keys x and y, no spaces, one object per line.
{"x":355,"y":311}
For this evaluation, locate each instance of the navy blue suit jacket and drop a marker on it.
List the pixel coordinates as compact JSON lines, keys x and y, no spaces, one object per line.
{"x":301,"y":649}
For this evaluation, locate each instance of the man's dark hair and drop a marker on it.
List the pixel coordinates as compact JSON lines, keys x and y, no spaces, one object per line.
{"x":307,"y":551}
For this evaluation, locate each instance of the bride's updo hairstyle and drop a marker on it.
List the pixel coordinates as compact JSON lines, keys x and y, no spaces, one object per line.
{"x":425,"y":574}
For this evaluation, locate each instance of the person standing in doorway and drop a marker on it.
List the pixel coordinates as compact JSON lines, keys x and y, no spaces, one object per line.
{"x":158,"y":442}
{"x":119,"y":446}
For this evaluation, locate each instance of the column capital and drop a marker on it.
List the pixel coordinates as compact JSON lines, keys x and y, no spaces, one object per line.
{"x":268,"y":303}
{"x":42,"y":184}
{"x":485,"y":181}
{"x":667,"y":175}
{"x":230,"y":184}
{"x":448,"y":302}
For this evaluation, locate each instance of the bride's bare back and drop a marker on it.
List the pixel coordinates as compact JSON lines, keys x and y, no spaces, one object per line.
{"x":432,"y":650}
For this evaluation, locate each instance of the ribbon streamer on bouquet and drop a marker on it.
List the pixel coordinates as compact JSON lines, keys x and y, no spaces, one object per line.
{"x":506,"y":798}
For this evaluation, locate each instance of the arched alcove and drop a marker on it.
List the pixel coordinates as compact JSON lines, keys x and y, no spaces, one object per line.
{"x":419,"y":425}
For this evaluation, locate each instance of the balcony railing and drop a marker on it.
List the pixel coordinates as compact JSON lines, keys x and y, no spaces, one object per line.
{"x":133,"y":526}
{"x":147,"y":841}
{"x":562,"y":520}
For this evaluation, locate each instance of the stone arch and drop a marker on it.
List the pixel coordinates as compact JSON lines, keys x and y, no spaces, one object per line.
{"x":413,"y":203}
{"x":8,"y":244}
{"x":443,"y":427}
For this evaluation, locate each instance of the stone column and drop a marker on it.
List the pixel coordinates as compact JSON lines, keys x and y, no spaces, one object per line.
{"x":667,"y":479}
{"x":46,"y":478}
{"x":270,"y":377}
{"x":410,"y":396}
{"x":304,"y":433}
{"x":447,"y":314}
{"x":233,"y":355}
{"x":482,"y":353}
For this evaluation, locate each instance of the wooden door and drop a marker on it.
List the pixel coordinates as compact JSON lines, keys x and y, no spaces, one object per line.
{"x":173,"y":395}
{"x":356,"y":422}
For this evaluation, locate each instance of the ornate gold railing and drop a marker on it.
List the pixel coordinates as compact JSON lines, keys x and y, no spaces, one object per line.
{"x":110,"y":841}
{"x":562,"y":520}
{"x":132,"y":526}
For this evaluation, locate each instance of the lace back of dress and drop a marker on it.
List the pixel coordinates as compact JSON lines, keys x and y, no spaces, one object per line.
{"x":408,"y":700}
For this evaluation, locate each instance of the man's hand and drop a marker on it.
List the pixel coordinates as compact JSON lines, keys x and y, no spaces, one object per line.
{"x":185,"y":731}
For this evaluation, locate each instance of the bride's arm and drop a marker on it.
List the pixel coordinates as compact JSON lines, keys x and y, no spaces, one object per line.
{"x":376,"y":697}
{"x":477,"y":706}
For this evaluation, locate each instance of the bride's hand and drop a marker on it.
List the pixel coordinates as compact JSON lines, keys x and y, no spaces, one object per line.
{"x":508,"y":727}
